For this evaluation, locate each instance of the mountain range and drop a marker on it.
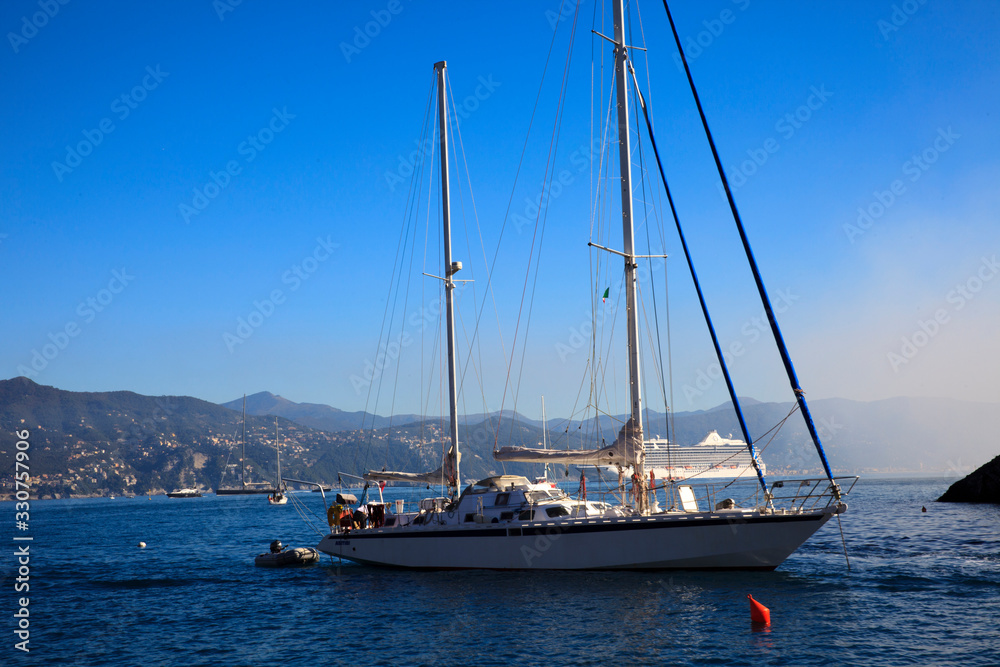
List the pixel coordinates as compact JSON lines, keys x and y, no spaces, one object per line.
{"x":903,"y":433}
{"x":92,"y":443}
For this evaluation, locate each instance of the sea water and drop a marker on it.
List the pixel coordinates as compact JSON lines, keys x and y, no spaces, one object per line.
{"x":923,"y":589}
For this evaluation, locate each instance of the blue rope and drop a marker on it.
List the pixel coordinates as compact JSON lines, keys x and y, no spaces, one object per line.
{"x":701,"y":298}
{"x":778,"y":339}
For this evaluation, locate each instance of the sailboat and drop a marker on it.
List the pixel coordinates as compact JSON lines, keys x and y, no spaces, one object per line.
{"x":278,"y":497}
{"x":507,"y":522}
{"x":245,"y":487}
{"x":544,"y":479}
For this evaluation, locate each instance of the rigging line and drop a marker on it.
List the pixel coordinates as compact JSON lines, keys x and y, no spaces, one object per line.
{"x":663,"y":244}
{"x":437,"y":298}
{"x":608,"y":216}
{"x":301,"y":509}
{"x":542,"y":216}
{"x":600,"y":366}
{"x":649,"y":338}
{"x":844,"y":542}
{"x":775,"y":429}
{"x":772,"y":320}
{"x":652,"y":283}
{"x":697,"y":286}
{"x":488,"y":289}
{"x":412,"y":199}
{"x":596,"y":217}
{"x":649,"y":250}
{"x":418,"y":177}
{"x":426,"y":396}
{"x":596,"y":271}
{"x":510,"y":201}
{"x":410,"y":273}
{"x":468,"y":246}
{"x":576,"y":401}
{"x":672,"y":428}
{"x":473,"y":343}
{"x":539,"y":219}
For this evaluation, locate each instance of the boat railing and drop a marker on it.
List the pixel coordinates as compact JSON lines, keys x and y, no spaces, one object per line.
{"x":786,"y":496}
{"x":801,"y":495}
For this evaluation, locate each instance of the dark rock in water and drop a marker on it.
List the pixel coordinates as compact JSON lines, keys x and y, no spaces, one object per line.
{"x":980,"y":486}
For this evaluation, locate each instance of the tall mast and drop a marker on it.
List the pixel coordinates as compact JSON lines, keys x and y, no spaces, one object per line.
{"x":625,"y":162}
{"x":545,"y":444}
{"x":243,"y":446}
{"x":277,"y":454}
{"x":450,"y":268}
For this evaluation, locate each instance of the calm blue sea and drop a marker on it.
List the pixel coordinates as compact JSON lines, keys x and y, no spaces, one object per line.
{"x":924,"y":590}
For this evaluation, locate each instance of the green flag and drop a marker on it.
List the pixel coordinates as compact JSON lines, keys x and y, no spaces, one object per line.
{"x":605,"y":297}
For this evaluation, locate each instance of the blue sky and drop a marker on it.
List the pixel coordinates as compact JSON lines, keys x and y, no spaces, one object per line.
{"x":862,"y":138}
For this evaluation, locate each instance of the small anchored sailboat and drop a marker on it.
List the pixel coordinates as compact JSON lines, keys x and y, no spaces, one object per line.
{"x":245,"y":487}
{"x":278,"y":497}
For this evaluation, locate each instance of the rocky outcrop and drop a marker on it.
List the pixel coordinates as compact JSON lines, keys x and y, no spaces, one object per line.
{"x":980,"y":486}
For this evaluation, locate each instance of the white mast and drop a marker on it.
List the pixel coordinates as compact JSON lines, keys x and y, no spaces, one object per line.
{"x":621,"y":81}
{"x":545,"y":444}
{"x":277,"y":453}
{"x":450,"y":268}
{"x":243,"y":446}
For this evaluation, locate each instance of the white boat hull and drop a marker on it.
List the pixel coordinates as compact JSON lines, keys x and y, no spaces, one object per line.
{"x":745,"y":540}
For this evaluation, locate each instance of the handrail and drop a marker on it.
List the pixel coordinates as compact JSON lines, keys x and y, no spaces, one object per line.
{"x":316,"y":484}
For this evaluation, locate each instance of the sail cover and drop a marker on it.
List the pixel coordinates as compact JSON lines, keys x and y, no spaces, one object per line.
{"x":445,"y":474}
{"x":627,"y":450}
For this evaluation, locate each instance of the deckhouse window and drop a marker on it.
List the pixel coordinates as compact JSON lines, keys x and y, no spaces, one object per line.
{"x":558,"y":510}
{"x":502,"y":499}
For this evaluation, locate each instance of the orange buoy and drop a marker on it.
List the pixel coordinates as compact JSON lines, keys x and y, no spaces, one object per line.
{"x":758,"y":612}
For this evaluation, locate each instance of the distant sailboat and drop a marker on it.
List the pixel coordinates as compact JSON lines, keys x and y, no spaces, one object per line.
{"x":245,"y":488}
{"x":278,"y":497}
{"x":544,"y":479}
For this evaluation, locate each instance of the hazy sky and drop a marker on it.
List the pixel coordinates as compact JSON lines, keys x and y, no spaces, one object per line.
{"x":170,"y":169}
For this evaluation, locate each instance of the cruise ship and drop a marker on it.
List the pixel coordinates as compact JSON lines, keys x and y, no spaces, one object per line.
{"x":713,"y":457}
